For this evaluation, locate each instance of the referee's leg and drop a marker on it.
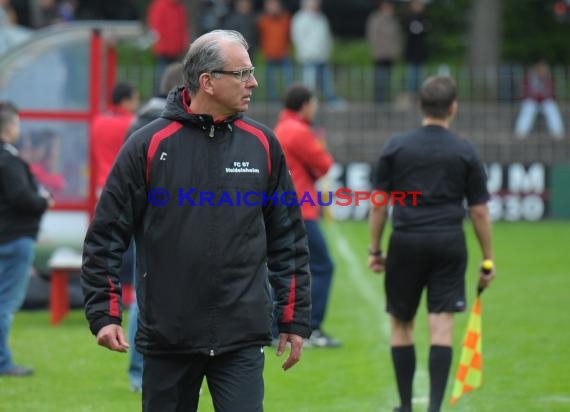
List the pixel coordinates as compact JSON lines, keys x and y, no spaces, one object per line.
{"x":404,"y":283}
{"x":446,"y":295}
{"x":235,"y":380}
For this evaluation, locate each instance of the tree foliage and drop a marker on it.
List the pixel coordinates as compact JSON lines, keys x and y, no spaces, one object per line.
{"x":449,"y":31}
{"x":531,"y":30}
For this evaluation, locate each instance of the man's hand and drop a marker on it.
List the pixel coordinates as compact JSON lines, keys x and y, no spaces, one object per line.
{"x":377,"y":263}
{"x":113,"y":338}
{"x":296,"y":348}
{"x":485,"y":279}
{"x":47,"y":196}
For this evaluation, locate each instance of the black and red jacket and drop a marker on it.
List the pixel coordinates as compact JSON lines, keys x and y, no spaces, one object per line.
{"x":202,"y":269}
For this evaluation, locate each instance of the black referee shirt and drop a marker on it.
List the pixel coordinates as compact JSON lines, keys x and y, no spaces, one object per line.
{"x":445,"y":168}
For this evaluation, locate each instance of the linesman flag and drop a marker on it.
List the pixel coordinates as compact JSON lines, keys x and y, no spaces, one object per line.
{"x":469,"y":373}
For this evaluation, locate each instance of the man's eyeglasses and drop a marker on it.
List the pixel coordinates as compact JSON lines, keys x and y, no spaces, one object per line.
{"x":243,"y":75}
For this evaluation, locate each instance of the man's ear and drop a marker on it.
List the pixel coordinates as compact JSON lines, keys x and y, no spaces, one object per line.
{"x":453,"y":108}
{"x":206,"y":83}
{"x":304,"y":108}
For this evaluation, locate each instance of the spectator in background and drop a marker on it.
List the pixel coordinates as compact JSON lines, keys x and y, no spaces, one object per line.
{"x":211,"y":13}
{"x":384,"y":36}
{"x":44,"y":152}
{"x":416,"y":27}
{"x":168,"y":20}
{"x":171,"y":77}
{"x":152,"y":109}
{"x":274,"y":26}
{"x":10,"y":32}
{"x":67,"y":10}
{"x":45,"y":13}
{"x":5,"y":8}
{"x":244,"y":20}
{"x":308,"y":161}
{"x":108,"y":134}
{"x":21,"y":10}
{"x":538,"y":96}
{"x":313,"y":41}
{"x":106,"y":10}
{"x":109,"y":130}
{"x":22,"y":204}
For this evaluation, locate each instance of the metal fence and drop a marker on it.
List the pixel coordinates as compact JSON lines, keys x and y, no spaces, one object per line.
{"x":488,"y":106}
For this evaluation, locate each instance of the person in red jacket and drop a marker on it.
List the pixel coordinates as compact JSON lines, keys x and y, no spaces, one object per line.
{"x":308,"y":160}
{"x":109,"y":130}
{"x":108,"y":134}
{"x":169,"y":21}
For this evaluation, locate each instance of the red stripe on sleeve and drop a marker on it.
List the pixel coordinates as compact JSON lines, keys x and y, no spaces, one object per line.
{"x":260,"y":136}
{"x":155,"y":141}
{"x":113,"y":300}
{"x":289,"y":309}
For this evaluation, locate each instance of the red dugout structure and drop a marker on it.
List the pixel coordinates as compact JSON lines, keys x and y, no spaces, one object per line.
{"x":60,"y":78}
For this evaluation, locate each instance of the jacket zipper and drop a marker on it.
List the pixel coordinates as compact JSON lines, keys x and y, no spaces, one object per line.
{"x":212,"y":131}
{"x":211,"y":352}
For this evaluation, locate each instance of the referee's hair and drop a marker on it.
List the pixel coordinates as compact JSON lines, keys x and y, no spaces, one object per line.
{"x":436,"y":96}
{"x":297,"y":95}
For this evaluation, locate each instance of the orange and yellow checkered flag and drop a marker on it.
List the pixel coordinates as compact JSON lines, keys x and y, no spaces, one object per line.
{"x":469,"y":373}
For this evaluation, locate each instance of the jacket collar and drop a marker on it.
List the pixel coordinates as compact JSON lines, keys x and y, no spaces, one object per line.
{"x":11,"y":149}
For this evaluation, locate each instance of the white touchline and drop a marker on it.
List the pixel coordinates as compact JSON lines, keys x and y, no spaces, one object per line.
{"x":373,"y":298}
{"x":376,"y":300}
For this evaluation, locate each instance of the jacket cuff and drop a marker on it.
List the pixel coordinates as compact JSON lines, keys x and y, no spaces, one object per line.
{"x":98,"y":324}
{"x":303,"y":331}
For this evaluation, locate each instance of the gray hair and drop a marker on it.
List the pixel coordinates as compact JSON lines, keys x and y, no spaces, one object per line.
{"x":205,"y":55}
{"x":8,"y":114}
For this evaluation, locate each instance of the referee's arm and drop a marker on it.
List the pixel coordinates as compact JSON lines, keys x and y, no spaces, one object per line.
{"x":381,"y":180}
{"x":376,"y":223}
{"x":482,"y":225}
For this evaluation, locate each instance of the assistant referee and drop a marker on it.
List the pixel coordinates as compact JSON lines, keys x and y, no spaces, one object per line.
{"x":427,"y":246}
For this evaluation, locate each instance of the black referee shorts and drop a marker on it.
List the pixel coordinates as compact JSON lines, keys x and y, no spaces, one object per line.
{"x":171,"y":383}
{"x":418,"y":260}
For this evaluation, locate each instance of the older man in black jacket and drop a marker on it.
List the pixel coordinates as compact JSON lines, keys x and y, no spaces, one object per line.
{"x":200,"y":189}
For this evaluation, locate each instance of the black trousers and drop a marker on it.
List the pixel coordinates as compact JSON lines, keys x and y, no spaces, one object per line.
{"x":171,"y":383}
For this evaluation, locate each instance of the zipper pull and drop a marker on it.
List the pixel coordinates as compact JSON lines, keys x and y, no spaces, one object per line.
{"x":212,"y":131}
{"x":211,"y":352}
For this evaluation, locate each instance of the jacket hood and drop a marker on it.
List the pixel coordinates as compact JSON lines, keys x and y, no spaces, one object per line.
{"x":178,"y":106}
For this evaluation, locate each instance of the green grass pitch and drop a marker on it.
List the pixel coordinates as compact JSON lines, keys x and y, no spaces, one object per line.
{"x":525,"y":341}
